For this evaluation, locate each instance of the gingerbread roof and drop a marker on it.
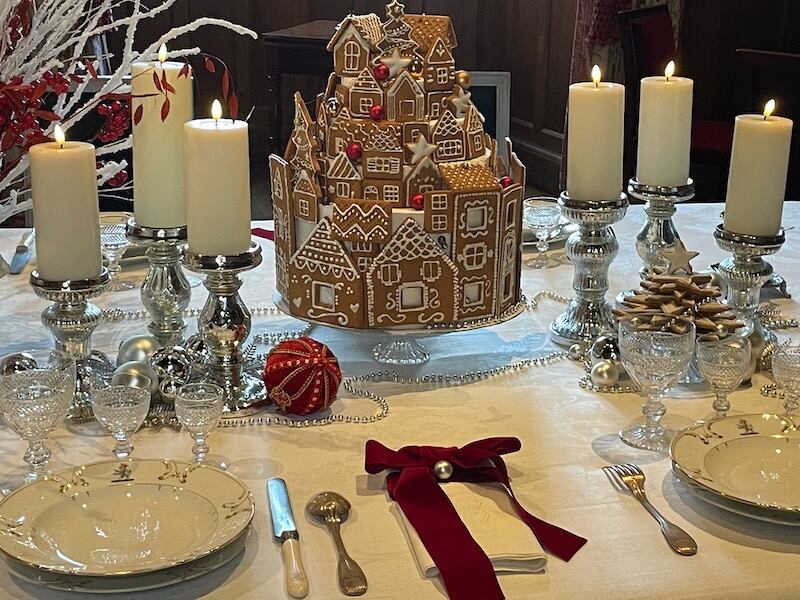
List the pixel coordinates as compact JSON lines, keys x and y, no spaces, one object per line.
{"x":342,"y":168}
{"x":369,"y":27}
{"x":461,"y":177}
{"x":472,"y":120}
{"x":362,"y":220}
{"x":325,"y":255}
{"x":439,"y":53}
{"x":303,"y":183}
{"x":366,"y":82}
{"x":447,"y":125}
{"x":411,"y":242}
{"x":384,"y":140}
{"x":426,"y":29}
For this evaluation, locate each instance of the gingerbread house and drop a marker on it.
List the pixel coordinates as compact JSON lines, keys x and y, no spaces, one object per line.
{"x":406,"y":99}
{"x":440,"y":68}
{"x":342,"y":179}
{"x":355,"y":40}
{"x":449,"y":138}
{"x":365,"y":93}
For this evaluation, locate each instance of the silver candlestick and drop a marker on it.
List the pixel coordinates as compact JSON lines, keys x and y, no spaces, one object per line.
{"x":72,"y":319}
{"x":224,"y":325}
{"x":165,"y":292}
{"x":659,"y":233}
{"x":592,"y":249}
{"x":744,"y":274}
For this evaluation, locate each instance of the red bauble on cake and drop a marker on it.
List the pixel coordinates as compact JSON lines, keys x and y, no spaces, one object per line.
{"x":380,"y":72}
{"x":506,"y":181}
{"x":302,"y":376}
{"x":418,"y":201}
{"x":376,"y":112}
{"x":354,"y":151}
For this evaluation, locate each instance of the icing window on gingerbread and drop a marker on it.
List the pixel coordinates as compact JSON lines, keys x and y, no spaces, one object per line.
{"x":362,"y":247}
{"x":511,"y":213}
{"x":342,"y":189}
{"x":364,"y":263}
{"x":473,"y":294}
{"x":439,"y":222}
{"x":478,"y":142}
{"x":364,"y":104}
{"x":352,"y":52}
{"x":474,"y":256}
{"x":324,"y":296}
{"x":277,"y":186}
{"x":303,"y":207}
{"x":435,"y":110}
{"x":439,"y":202}
{"x":412,"y":297}
{"x":425,"y":188}
{"x":371,"y":193}
{"x":390,"y":274}
{"x":476,"y":218}
{"x":408,"y":108}
{"x":391,"y":193}
{"x":442,"y":75}
{"x":382,"y":164}
{"x":431,"y":270}
{"x":451,"y":148}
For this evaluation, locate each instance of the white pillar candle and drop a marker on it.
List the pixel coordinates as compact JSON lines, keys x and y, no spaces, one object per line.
{"x":218,"y":185}
{"x":757,"y":179}
{"x":595,"y":139}
{"x":665,"y":129}
{"x":66,"y":211}
{"x":159,"y":197}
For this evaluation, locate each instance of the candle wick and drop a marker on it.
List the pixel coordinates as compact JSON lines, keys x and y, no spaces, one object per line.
{"x":597,"y":84}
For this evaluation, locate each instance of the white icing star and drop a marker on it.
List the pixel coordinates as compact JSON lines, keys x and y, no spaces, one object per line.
{"x":460,"y":100}
{"x":679,"y":258}
{"x":396,"y":62}
{"x":420,"y":149}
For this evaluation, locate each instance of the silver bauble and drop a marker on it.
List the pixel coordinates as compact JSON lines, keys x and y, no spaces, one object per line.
{"x":332,"y":106}
{"x":16,"y":363}
{"x":131,"y":372}
{"x":169,"y":389}
{"x":197,"y":348}
{"x":172,"y":362}
{"x":138,"y":348}
{"x":605,"y":374}
{"x":443,"y":470}
{"x":575,"y":351}
{"x":605,"y":347}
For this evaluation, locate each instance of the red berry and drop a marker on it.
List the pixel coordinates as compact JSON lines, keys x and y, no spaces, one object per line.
{"x":354,"y":151}
{"x":381,"y":72}
{"x":418,"y":202}
{"x":116,"y":106}
{"x":506,"y":181}
{"x":102,"y":109}
{"x":114,"y":182}
{"x":123,"y":176}
{"x":376,"y":112}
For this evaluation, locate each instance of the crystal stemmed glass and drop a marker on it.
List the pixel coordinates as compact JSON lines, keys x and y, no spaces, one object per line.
{"x":122,"y":410}
{"x":34,"y":399}
{"x":655,"y":360}
{"x":198,"y":407}
{"x":114,"y":243}
{"x":542,"y":216}
{"x":786,"y":369}
{"x":723,"y":363}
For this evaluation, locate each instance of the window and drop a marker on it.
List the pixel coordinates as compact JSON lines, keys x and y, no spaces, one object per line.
{"x":352,"y":53}
{"x":383,"y":164}
{"x":474,"y":256}
{"x":442,"y":75}
{"x":425,"y":188}
{"x":435,"y":111}
{"x":412,"y":297}
{"x":439,"y":222}
{"x":478,"y":142}
{"x":364,"y":263}
{"x":364,"y":104}
{"x":451,"y":149}
{"x":391,"y":193}
{"x":439,"y":202}
{"x":476,"y":218}
{"x":390,"y":274}
{"x":431,"y":269}
{"x":342,"y":189}
{"x":371,"y":193}
{"x":323,"y":295}
{"x":473,"y":294}
{"x":277,"y":186}
{"x":362,"y":247}
{"x":511,"y":213}
{"x":303,"y":207}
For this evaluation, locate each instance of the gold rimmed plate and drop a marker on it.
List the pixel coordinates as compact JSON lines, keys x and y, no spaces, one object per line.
{"x":120,"y":518}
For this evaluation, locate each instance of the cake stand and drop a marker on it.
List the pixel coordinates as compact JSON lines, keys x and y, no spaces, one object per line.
{"x":403,"y":345}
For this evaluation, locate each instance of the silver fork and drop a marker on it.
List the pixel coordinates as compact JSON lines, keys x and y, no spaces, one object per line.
{"x":631,"y":477}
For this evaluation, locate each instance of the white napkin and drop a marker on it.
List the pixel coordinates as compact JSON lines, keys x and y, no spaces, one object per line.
{"x":487,"y":512}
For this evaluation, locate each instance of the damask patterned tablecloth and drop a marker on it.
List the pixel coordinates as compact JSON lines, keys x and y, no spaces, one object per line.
{"x":567,"y":434}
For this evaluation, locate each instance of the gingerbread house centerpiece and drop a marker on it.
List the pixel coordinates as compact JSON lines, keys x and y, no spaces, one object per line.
{"x":392,"y":207}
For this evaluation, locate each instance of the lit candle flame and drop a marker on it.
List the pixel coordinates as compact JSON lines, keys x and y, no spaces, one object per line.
{"x":669,"y":71}
{"x":162,"y":53}
{"x":58,"y":133}
{"x":769,"y":108}
{"x":596,"y":75}
{"x":216,"y":110}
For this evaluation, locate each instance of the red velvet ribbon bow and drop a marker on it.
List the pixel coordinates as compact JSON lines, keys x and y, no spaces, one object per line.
{"x":466,"y":571}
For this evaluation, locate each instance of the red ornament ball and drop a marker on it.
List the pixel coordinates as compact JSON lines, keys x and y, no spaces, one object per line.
{"x":376,"y":112}
{"x":354,"y":151}
{"x":302,"y":376}
{"x":418,"y":201}
{"x":381,"y":72}
{"x":506,"y":181}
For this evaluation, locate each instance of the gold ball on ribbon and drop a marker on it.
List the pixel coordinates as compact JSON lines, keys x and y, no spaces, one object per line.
{"x":463,"y":79}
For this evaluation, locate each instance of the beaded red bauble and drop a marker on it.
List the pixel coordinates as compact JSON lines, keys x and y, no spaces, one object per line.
{"x":418,"y":201}
{"x":376,"y":112}
{"x":381,"y":72}
{"x":354,"y":151}
{"x":302,"y":376}
{"x":506,"y":182}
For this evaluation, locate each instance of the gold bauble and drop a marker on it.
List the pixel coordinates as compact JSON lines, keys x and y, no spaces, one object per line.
{"x":463,"y":79}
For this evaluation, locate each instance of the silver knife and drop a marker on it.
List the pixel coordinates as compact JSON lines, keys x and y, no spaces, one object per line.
{"x":285,"y":530}
{"x":22,"y":254}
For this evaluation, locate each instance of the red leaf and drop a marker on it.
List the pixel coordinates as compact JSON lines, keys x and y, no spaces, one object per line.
{"x":210,"y":65}
{"x":47,"y":115}
{"x":75,"y":78}
{"x":39,"y":90}
{"x":184,"y":72}
{"x":226,"y":84}
{"x":233,"y":106}
{"x":90,"y":68}
{"x":157,"y":82}
{"x":137,"y":116}
{"x":165,"y":109}
{"x":167,"y":85}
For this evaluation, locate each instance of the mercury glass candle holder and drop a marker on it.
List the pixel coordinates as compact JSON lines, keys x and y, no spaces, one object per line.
{"x":72,"y":319}
{"x":658,"y":233}
{"x":165,"y":292}
{"x":224,"y":325}
{"x":592,"y":249}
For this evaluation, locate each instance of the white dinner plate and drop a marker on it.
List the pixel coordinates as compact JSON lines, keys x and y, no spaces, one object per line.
{"x":118,"y":518}
{"x":751,"y":460}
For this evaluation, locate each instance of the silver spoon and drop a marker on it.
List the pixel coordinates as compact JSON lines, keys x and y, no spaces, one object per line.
{"x":334,"y":509}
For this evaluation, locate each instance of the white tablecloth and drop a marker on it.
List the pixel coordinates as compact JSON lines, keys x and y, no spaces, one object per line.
{"x":567,"y":435}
